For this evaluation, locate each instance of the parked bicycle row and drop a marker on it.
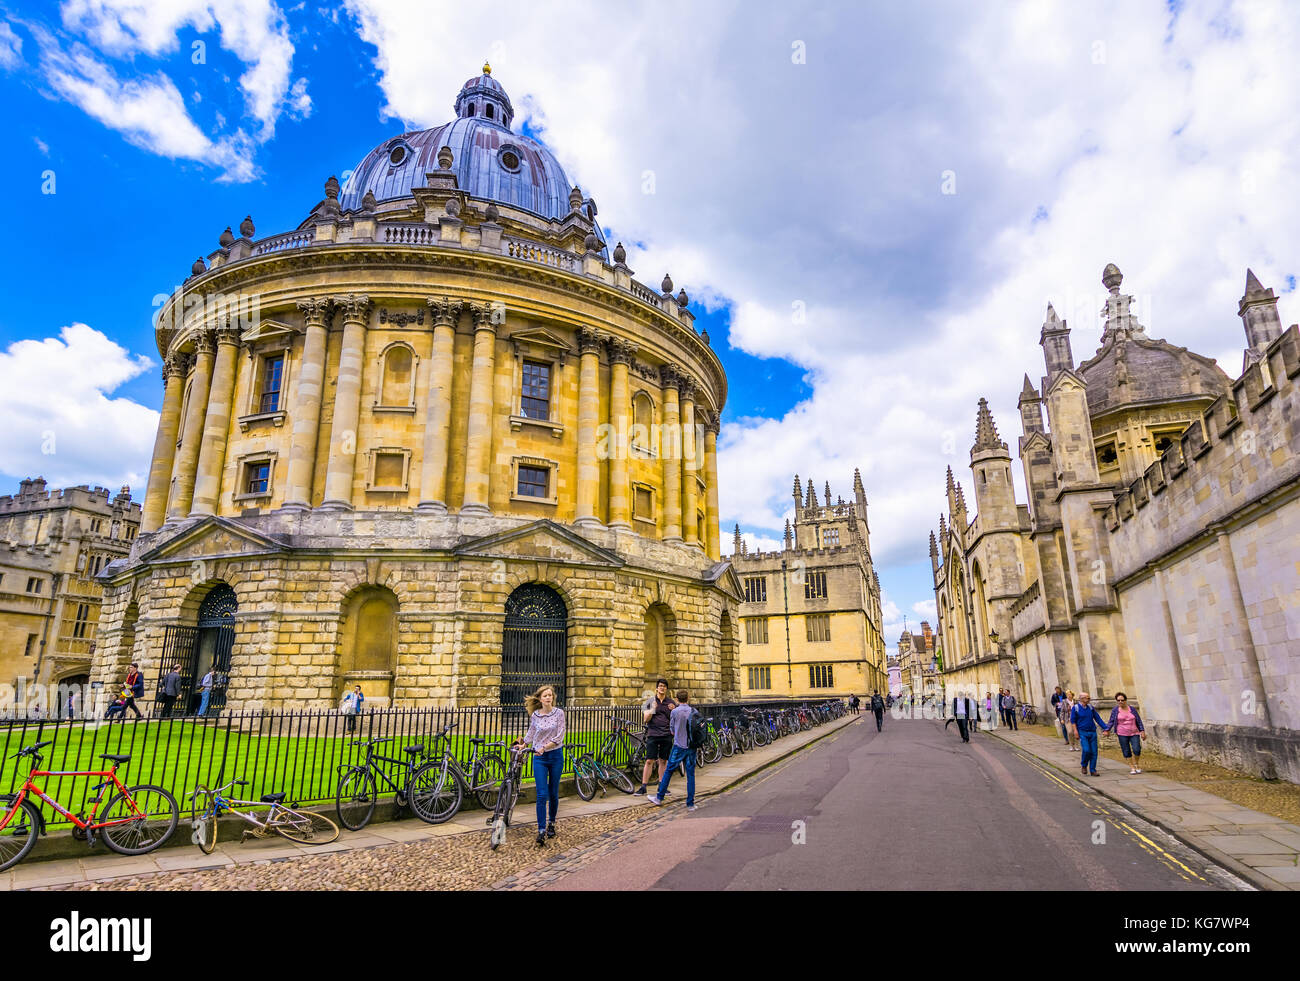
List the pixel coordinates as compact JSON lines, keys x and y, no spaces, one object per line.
{"x":428,"y":779}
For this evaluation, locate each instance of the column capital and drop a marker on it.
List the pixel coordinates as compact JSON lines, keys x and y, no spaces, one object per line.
{"x":355,"y":307}
{"x":446,"y":311}
{"x":686,"y":389}
{"x":712,"y":424}
{"x":318,"y":310}
{"x":621,"y":351}
{"x":484,"y":316}
{"x":205,"y":342}
{"x":670,"y":375}
{"x":175,"y":366}
{"x":590,"y":340}
{"x":228,"y":335}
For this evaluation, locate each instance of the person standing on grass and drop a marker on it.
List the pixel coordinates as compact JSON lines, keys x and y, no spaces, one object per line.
{"x":1084,"y":720}
{"x":682,"y":721}
{"x":135,"y":684}
{"x":658,"y":735}
{"x":171,"y":688}
{"x":1126,"y":722}
{"x":545,"y":736}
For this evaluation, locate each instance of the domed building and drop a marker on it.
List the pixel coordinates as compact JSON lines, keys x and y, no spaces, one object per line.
{"x":435,"y":441}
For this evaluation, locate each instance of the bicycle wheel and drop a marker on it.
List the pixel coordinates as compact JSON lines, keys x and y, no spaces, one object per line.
{"x":728,"y":744}
{"x":138,"y":821}
{"x":618,"y":778}
{"x":713,"y":749}
{"x":354,"y":801}
{"x":584,"y":776}
{"x":20,"y":833}
{"x":435,"y":794}
{"x":203,"y":822}
{"x":305,"y":827}
{"x":486,"y":778}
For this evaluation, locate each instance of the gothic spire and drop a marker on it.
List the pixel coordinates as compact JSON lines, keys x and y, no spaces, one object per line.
{"x":986,"y":431}
{"x":812,"y":494}
{"x":789,"y":535}
{"x":828,"y":493}
{"x":798,"y":492}
{"x":1027,"y":392}
{"x":737,"y":543}
{"x":934,"y":546}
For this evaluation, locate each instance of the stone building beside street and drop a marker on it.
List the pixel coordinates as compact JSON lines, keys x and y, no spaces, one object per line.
{"x":53,"y":543}
{"x":1157,"y":553}
{"x":917,"y":656}
{"x":436,"y":441}
{"x":810,"y":620}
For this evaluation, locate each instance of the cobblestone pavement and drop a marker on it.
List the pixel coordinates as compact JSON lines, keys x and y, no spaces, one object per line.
{"x":456,"y":862}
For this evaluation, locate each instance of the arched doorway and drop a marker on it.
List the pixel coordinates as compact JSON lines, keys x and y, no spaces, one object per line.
{"x":368,"y":644}
{"x":207,"y":646}
{"x":76,"y":686}
{"x":657,"y":644}
{"x":534,"y":643}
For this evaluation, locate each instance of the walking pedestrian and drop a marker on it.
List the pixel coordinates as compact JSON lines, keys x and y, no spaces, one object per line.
{"x":135,"y":683}
{"x":853,"y":703}
{"x":71,"y":706}
{"x":961,"y":708}
{"x":878,"y":709}
{"x":1063,"y":713}
{"x":688,"y":735}
{"x":658,"y":735}
{"x":1084,"y":720}
{"x":171,"y":687}
{"x":205,"y":693}
{"x":1009,"y":708}
{"x":545,"y":736}
{"x":1126,"y":722}
{"x":988,"y":708}
{"x":351,"y":708}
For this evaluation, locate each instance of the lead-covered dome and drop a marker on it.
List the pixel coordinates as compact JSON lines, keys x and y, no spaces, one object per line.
{"x":489,"y":160}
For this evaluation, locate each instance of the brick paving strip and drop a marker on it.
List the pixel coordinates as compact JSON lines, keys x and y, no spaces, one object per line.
{"x":407,"y":854}
{"x":1262,"y":849}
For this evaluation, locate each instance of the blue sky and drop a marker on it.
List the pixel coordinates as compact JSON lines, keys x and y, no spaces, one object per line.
{"x":801,"y":160}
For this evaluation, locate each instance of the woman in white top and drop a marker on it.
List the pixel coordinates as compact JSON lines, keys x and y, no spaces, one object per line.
{"x":545,"y":737}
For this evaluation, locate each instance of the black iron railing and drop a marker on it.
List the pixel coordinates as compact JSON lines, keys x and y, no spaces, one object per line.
{"x":297,"y":752}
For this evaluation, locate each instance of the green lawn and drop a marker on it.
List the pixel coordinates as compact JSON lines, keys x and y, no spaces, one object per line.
{"x":180,"y":754}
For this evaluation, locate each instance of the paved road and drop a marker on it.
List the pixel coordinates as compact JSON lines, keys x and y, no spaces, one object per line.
{"x":911,"y":807}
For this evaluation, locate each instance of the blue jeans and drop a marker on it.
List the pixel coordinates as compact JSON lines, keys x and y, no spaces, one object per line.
{"x":1088,"y":743}
{"x":546,"y":771}
{"x":203,"y":701}
{"x":1130,"y":745}
{"x":676,"y":757}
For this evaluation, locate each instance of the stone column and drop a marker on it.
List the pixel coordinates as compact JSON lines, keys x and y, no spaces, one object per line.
{"x":307,"y":404}
{"x":187,"y":459}
{"x":711,"y":488}
{"x":437,"y":422}
{"x":620,"y":422}
{"x":588,"y":487}
{"x":478,"y":439}
{"x":341,"y":467}
{"x":216,"y":424}
{"x":690,"y":462}
{"x":164,"y":447}
{"x":670,"y":451}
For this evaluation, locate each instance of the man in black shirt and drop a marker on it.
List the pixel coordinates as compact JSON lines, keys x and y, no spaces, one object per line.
{"x":878,"y":708}
{"x":658,"y":736}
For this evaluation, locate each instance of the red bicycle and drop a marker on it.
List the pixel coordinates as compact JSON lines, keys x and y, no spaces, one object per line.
{"x":135,"y":820}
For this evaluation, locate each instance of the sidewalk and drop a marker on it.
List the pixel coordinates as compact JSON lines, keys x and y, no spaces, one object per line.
{"x":1260,"y":848}
{"x":101,"y":865}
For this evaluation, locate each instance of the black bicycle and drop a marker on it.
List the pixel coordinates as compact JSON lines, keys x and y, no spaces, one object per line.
{"x":507,"y":795}
{"x":354,"y":800}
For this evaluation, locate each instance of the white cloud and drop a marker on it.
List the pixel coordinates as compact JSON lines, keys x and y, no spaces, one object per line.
{"x":149,"y":111}
{"x":927,"y":609}
{"x":11,"y":47}
{"x":1161,"y":142}
{"x":255,"y":31}
{"x":60,"y":419}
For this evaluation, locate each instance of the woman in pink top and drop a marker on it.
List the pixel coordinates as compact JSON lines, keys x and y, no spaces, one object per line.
{"x":545,"y":737}
{"x":1127,"y":724}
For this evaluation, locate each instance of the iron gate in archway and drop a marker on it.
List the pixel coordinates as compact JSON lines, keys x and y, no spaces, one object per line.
{"x":207,"y":646}
{"x":534,"y":644}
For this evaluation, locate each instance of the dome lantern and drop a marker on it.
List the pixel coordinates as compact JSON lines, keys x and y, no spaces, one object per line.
{"x":484,"y":98}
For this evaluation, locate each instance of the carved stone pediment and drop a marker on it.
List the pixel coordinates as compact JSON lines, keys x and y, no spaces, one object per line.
{"x":211,"y":538}
{"x":268,"y":330}
{"x":543,"y":541}
{"x":539,"y":342}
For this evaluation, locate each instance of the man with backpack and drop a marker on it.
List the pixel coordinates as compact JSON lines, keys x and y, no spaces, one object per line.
{"x":878,"y":709}
{"x":687,"y":728}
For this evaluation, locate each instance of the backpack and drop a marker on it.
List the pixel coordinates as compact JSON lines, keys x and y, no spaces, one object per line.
{"x":696,"y":734}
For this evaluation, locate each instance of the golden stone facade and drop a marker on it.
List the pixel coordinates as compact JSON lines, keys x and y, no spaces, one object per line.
{"x":404,"y":428}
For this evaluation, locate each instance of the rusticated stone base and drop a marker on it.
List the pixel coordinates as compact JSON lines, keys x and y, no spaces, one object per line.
{"x":1272,"y":754}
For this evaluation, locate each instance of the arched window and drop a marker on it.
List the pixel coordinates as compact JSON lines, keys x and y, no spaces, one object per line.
{"x":397,"y":377}
{"x":534,"y":643}
{"x":643,"y":417}
{"x":470,"y":112}
{"x":487,"y":111}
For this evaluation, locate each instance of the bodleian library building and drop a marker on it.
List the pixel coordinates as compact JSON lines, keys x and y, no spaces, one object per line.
{"x":436,"y":441}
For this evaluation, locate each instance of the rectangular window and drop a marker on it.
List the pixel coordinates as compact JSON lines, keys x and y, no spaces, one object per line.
{"x":389,"y":469}
{"x":821,"y":676}
{"x":760,"y":678}
{"x":814,"y":586}
{"x":81,"y":621}
{"x":33,"y":585}
{"x":832,"y":537}
{"x":30,"y":649}
{"x":756,"y":589}
{"x":257,"y":477}
{"x":272,"y":373}
{"x":1107,"y":455}
{"x":819,"y":628}
{"x":643,"y":503}
{"x":756,"y":631}
{"x":535,"y":401}
{"x":533,"y":481}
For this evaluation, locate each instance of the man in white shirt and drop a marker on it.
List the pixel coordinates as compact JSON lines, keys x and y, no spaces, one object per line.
{"x":961,"y":713}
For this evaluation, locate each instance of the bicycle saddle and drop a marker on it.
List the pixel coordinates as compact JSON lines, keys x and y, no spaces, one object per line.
{"x":272,"y":798}
{"x":417,"y":748}
{"x":115,"y":757}
{"x":482,"y":739}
